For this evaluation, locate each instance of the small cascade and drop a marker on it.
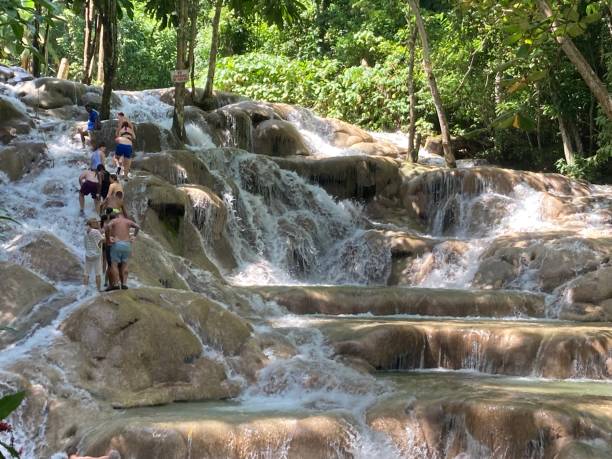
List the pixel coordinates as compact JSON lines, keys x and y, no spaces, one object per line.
{"x":282,"y":229}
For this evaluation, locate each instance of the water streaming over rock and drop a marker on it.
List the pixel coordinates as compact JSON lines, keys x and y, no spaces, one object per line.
{"x":274,"y":227}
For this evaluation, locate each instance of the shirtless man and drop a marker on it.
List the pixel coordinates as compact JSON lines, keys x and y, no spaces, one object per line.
{"x":121,"y":248}
{"x":114,"y":202}
{"x":88,"y":184}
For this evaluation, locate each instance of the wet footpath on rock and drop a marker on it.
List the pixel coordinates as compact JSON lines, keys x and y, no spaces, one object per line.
{"x":299,"y":291}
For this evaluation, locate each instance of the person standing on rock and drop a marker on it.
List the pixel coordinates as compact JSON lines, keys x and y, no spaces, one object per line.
{"x":98,"y":157}
{"x":88,"y":184}
{"x":114,"y":204}
{"x":123,"y":152}
{"x":93,"y":124}
{"x":93,"y":259}
{"x":104,"y":181}
{"x":121,"y":248}
{"x":115,"y":185}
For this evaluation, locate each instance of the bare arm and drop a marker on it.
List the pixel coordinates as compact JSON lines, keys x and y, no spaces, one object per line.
{"x":135,"y":226}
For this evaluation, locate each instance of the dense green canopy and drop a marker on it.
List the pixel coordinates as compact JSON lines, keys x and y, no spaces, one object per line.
{"x":507,"y":78}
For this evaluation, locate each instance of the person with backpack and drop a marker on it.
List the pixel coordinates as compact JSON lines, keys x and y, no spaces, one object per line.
{"x":93,"y":124}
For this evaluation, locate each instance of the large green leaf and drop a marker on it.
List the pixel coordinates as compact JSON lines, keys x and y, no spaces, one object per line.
{"x":10,"y":403}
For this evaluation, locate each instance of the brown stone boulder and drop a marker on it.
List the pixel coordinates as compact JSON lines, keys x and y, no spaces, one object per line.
{"x":13,"y":118}
{"x":209,"y":216}
{"x":150,"y":137}
{"x":145,"y":346}
{"x":22,"y":158}
{"x":551,"y":258}
{"x":589,"y":297}
{"x":348,"y":177}
{"x":21,"y":291}
{"x":279,"y":138}
{"x":345,"y":135}
{"x":47,"y":255}
{"x":164,"y":212}
{"x":51,"y":92}
{"x":177,"y":167}
{"x":548,"y":350}
{"x":400,"y":300}
{"x":378,"y":148}
{"x":211,"y":432}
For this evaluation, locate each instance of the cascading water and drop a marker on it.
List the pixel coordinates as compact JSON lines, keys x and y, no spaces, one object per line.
{"x":282,"y":230}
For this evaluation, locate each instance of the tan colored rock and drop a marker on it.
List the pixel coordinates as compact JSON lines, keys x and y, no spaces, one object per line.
{"x":20,"y":159}
{"x":438,"y":416}
{"x":150,"y":137}
{"x":400,"y":300}
{"x":378,"y":148}
{"x":594,"y":287}
{"x":21,"y":291}
{"x":209,"y":216}
{"x":46,"y":254}
{"x":549,"y":350}
{"x":13,"y":117}
{"x":348,"y":177}
{"x":279,"y":138}
{"x":176,"y":433}
{"x":346,"y":135}
{"x":164,"y":212}
{"x":177,"y":167}
{"x":144,"y":346}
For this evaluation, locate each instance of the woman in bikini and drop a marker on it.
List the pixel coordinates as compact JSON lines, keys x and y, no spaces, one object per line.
{"x":123,"y":152}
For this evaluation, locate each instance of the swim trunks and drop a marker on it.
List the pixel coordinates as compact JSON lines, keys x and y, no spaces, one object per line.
{"x":90,"y":188}
{"x":120,"y":251}
{"x":123,"y":150}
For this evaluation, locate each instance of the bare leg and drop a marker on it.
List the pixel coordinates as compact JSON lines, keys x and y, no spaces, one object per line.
{"x":82,"y":134}
{"x":114,"y":274}
{"x":97,"y":203}
{"x":82,"y":201}
{"x":126,"y":166}
{"x":86,"y":279}
{"x":124,"y":273}
{"x":98,"y":283}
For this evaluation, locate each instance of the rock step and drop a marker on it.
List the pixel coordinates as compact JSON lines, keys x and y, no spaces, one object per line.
{"x":460,"y":415}
{"x":542,"y":349}
{"x":402,"y":300}
{"x":428,"y":415}
{"x":210,"y":431}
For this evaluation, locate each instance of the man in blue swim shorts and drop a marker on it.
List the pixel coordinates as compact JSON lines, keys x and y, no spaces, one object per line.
{"x":121,"y":249}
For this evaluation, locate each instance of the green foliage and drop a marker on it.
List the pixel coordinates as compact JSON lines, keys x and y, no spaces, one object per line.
{"x":373,"y":97}
{"x":8,"y":404}
{"x":146,"y":54}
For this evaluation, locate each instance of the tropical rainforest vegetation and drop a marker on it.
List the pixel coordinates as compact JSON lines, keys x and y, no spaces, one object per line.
{"x":525,"y":84}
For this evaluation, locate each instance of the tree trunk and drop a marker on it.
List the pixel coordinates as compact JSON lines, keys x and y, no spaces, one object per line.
{"x":321,"y":9}
{"x":88,"y":41}
{"x":214,"y":47}
{"x":449,"y":157}
{"x":193,"y":35}
{"x":109,"y":41}
{"x":576,"y":136}
{"x":62,"y":71}
{"x":100,"y":75}
{"x":567,"y":142}
{"x":36,"y":42}
{"x":182,"y":51}
{"x":413,"y":153}
{"x":46,"y":50}
{"x":96,"y":46}
{"x":597,"y":87}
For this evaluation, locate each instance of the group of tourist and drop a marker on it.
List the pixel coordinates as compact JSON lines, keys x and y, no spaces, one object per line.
{"x":108,"y":240}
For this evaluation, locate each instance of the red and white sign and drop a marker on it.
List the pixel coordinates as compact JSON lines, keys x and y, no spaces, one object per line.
{"x":179,"y":76}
